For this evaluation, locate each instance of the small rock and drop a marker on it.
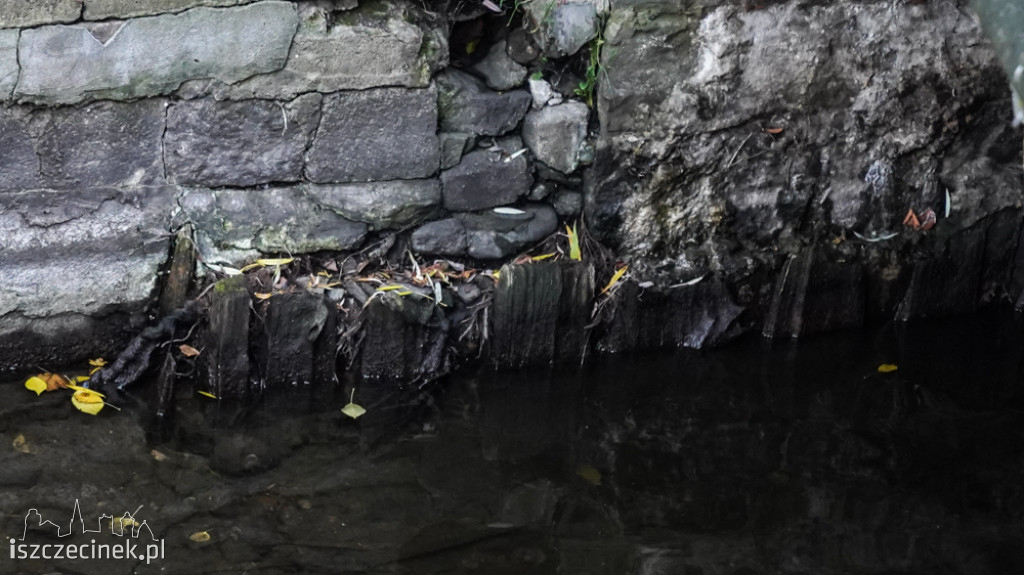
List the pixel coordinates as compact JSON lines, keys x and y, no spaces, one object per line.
{"x":564,"y":28}
{"x":453,"y":146}
{"x":495,"y":236}
{"x":487,"y":178}
{"x":468,"y":293}
{"x":541,"y":92}
{"x":465,"y":104}
{"x":443,"y":237}
{"x":567,"y":204}
{"x":555,"y":134}
{"x":521,"y":47}
{"x":540,"y":191}
{"x":499,"y":70}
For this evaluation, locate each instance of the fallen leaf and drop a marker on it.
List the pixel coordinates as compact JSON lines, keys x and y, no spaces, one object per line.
{"x":911,"y":220}
{"x":200,"y":537}
{"x":887,"y":368}
{"x":159,"y":456}
{"x":543,"y":257}
{"x":352,"y":410}
{"x":87,"y":401}
{"x":188,"y":351}
{"x":389,"y":288}
{"x":589,"y":474}
{"x":36,"y":384}
{"x":80,"y":388}
{"x":615,"y":278}
{"x":20,"y":444}
{"x":574,"y":243}
{"x":98,"y":362}
{"x":207,"y":394}
{"x":508,"y":211}
{"x":263,"y":296}
{"x":928,"y":219}
{"x":774,"y":131}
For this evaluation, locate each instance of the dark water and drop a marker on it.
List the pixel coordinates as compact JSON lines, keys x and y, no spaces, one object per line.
{"x":757,"y":458}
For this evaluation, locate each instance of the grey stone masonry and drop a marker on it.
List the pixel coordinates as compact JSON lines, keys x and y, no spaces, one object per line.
{"x":211,"y":144}
{"x":381,"y":205}
{"x":152,"y":55}
{"x":556,"y":134}
{"x":488,"y":177}
{"x":381,"y":134}
{"x":104,"y":9}
{"x":466,"y":104}
{"x":100,"y":144}
{"x":23,"y":13}
{"x":8,"y":62}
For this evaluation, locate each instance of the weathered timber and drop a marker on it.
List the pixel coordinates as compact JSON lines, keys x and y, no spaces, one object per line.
{"x":227,"y":340}
{"x":404,"y":339}
{"x":295,"y":325}
{"x":814,"y":295}
{"x":179,"y":276}
{"x":540,"y":313}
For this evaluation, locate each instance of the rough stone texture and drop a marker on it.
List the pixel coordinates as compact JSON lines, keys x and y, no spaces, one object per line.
{"x":540,"y":314}
{"x":813,"y":295}
{"x":8,"y":62}
{"x":555,"y":134}
{"x":296,"y":323}
{"x":466,"y":104}
{"x":233,"y":225}
{"x":101,"y":144}
{"x":761,"y":132}
{"x":453,"y":147}
{"x":499,"y":71}
{"x":153,"y":55}
{"x":493,"y":236}
{"x":382,"y":134}
{"x":404,"y":340}
{"x":567,"y":204}
{"x":69,"y":257}
{"x":486,"y":178}
{"x":21,"y":14}
{"x":442,"y":237}
{"x":210,"y":143}
{"x":377,"y":45}
{"x":562,"y":28}
{"x":381,"y":205}
{"x":104,"y":9}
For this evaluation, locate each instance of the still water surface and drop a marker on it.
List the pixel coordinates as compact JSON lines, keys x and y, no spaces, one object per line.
{"x":757,"y":458}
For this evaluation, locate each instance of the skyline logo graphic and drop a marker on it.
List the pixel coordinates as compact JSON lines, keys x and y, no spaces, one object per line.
{"x":126,"y":526}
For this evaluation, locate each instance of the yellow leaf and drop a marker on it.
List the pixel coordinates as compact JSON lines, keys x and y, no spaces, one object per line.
{"x":403,"y":293}
{"x":574,"y":243}
{"x":207,"y":394}
{"x":615,"y":278}
{"x":264,"y":296}
{"x":80,"y":388}
{"x":471,"y":46}
{"x":389,"y":288}
{"x":87,"y":401}
{"x":36,"y":384}
{"x":20,"y":444}
{"x":200,"y":537}
{"x":98,"y":362}
{"x":887,"y":368}
{"x":542,"y":257}
{"x":275,"y":261}
{"x":589,"y":474}
{"x":188,"y":350}
{"x":352,"y":410}
{"x":80,"y":378}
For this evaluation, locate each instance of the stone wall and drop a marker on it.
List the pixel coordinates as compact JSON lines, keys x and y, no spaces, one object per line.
{"x":772,"y":147}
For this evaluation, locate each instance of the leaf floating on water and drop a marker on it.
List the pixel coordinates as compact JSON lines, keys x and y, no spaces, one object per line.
{"x":20,"y":444}
{"x":87,"y":401}
{"x":200,"y":537}
{"x":352,"y":410}
{"x":36,"y":384}
{"x":589,"y":474}
{"x":615,"y":278}
{"x":188,"y":351}
{"x":207,"y":394}
{"x":97,"y":364}
{"x":80,"y":388}
{"x":887,"y":368}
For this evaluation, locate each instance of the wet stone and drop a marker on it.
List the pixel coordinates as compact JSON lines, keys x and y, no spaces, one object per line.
{"x":486,"y":178}
{"x":566,"y":27}
{"x":381,"y":205}
{"x":495,"y":236}
{"x":453,"y":146}
{"x":499,"y":71}
{"x":380,"y":134}
{"x":556,"y":134}
{"x":567,"y":204}
{"x":442,"y":237}
{"x":211,"y":143}
{"x":465,"y":104}
{"x":521,"y":47}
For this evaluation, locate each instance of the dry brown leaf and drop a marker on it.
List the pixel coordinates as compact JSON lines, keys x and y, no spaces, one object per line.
{"x":188,"y":351}
{"x":20,"y":444}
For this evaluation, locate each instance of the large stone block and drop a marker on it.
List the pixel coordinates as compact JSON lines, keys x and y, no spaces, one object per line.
{"x":488,"y":178}
{"x":153,"y":55}
{"x":233,"y":225}
{"x":380,"y":44}
{"x":466,"y":104}
{"x":381,"y":205}
{"x":106,"y":9}
{"x":101,"y":144}
{"x":22,"y":13}
{"x":492,"y":236}
{"x":87,"y":251}
{"x":211,"y":143}
{"x":382,"y":134}
{"x":8,"y":62}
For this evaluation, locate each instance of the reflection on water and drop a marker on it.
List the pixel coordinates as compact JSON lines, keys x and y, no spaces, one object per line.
{"x":754,"y":459}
